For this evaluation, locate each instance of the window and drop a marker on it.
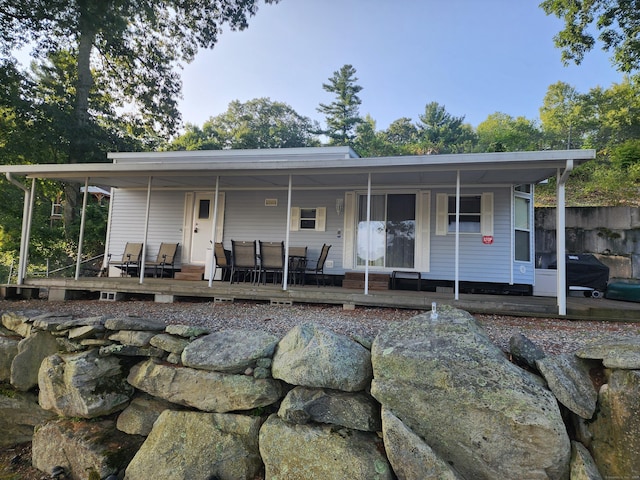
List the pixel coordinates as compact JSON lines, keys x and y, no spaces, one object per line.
{"x":303,"y":218}
{"x":522,"y":227}
{"x":470,"y":214}
{"x":476,"y":213}
{"x":203,"y":209}
{"x":391,"y":237}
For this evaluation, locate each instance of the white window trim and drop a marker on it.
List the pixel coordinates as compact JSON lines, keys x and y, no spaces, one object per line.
{"x":530,"y":228}
{"x":321,"y":219}
{"x":486,"y":214}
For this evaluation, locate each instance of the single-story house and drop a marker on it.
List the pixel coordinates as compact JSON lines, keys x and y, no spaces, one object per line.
{"x":455,"y":217}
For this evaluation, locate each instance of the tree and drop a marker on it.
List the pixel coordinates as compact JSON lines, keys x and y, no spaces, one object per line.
{"x":617,"y":22}
{"x":503,"y":133}
{"x":258,"y":123}
{"x":565,"y":122}
{"x":370,"y":143}
{"x":132,"y":45}
{"x":342,"y":115}
{"x":441,"y":132}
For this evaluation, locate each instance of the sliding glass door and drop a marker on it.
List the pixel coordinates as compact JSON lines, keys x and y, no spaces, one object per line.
{"x":392,"y":230}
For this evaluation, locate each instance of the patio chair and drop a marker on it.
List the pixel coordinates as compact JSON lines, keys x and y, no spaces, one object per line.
{"x":130,"y":259}
{"x":271,"y":260}
{"x":318,"y":268}
{"x":223,"y":260}
{"x":243,"y":260}
{"x":297,"y":264}
{"x":165,"y":260}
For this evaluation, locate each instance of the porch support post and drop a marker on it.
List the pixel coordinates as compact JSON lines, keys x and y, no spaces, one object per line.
{"x":27,"y":210}
{"x":561,"y":258}
{"x":83,"y":216}
{"x":366,"y":265}
{"x":212,"y":265}
{"x":457,"y":247}
{"x":285,"y":274}
{"x":146,"y":231}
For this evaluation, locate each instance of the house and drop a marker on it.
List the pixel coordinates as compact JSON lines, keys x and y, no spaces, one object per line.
{"x":452,"y":218}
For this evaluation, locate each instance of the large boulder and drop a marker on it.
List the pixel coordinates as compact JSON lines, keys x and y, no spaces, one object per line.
{"x":138,"y":418}
{"x":569,"y":379}
{"x":19,"y":414}
{"x":352,"y":410}
{"x":319,"y":452}
{"x":411,"y":457}
{"x":31,"y":352}
{"x":620,"y":353}
{"x":207,"y":391}
{"x":83,"y":385}
{"x":583,"y":466}
{"x":229,"y":351}
{"x":615,"y":429}
{"x":18,"y":322}
{"x":193,"y":445}
{"x":84,"y":449}
{"x":313,"y":356}
{"x":450,"y":385}
{"x":8,"y":350}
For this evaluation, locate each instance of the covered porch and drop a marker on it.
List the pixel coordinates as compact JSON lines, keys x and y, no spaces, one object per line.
{"x":289,"y":171}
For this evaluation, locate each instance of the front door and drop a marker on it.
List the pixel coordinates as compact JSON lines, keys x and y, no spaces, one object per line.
{"x":199,"y":224}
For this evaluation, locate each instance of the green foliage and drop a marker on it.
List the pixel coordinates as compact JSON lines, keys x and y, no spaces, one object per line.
{"x":342,"y":115}
{"x":626,"y":155}
{"x":441,"y":132}
{"x":503,"y":133}
{"x":616,"y":21}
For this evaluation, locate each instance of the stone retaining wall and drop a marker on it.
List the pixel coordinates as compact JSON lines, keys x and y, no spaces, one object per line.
{"x":610,"y":233}
{"x":428,"y":398}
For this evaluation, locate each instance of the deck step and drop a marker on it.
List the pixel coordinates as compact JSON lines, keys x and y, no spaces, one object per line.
{"x":190,"y":272}
{"x":355,"y":280}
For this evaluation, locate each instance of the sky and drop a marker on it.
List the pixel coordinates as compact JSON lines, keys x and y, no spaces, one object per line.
{"x":474,"y":57}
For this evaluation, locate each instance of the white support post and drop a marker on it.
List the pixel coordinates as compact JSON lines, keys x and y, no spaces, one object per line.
{"x":285,"y":273}
{"x":561,"y":259}
{"x":146,"y":231}
{"x":457,"y":247}
{"x":366,"y":267}
{"x":212,"y":264}
{"x":83,"y":216}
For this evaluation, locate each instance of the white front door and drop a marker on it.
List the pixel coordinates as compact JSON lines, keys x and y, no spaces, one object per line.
{"x":199,"y":224}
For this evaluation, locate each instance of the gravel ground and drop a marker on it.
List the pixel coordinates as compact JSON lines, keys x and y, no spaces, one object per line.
{"x":552,"y":335}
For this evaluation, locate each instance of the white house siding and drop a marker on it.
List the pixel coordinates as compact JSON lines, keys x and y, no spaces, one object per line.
{"x":128,"y":219}
{"x":247,"y":218}
{"x":478,"y":262}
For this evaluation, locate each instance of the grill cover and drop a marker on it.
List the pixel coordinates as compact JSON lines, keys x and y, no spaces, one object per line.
{"x":585,"y":270}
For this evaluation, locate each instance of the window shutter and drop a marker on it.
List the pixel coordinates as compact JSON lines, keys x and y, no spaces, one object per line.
{"x":294,"y":226}
{"x":321,"y":219}
{"x":348,"y":236}
{"x":442,"y":214}
{"x":423,"y":231}
{"x":486,"y":220}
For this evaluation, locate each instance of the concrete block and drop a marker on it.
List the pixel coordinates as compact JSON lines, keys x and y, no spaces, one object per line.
{"x":348,"y":306}
{"x":111,"y":296}
{"x":281,"y":303}
{"x":160,"y":298}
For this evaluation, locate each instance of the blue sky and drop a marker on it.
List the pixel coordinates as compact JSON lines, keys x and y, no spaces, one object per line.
{"x":475,"y":57}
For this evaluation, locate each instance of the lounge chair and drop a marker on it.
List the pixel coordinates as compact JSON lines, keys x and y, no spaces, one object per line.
{"x":130,"y":259}
{"x":165,"y":260}
{"x":271,"y":260}
{"x":243,"y":260}
{"x":223,"y":260}
{"x":318,"y":268}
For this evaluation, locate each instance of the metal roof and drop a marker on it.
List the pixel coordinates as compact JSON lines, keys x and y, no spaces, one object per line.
{"x":319,"y":167}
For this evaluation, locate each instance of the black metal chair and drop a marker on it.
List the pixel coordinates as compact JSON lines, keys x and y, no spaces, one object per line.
{"x":318,"y":268}
{"x":243,"y":260}
{"x":297,"y":264}
{"x":271,"y":260}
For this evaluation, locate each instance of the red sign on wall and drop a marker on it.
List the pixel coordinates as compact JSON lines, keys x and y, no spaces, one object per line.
{"x":487,"y":239}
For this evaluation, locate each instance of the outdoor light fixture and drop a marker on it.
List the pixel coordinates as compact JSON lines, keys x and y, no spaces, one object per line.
{"x":339,"y":205}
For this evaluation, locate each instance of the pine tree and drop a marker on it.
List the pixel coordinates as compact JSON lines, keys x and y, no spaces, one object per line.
{"x":342,"y":115}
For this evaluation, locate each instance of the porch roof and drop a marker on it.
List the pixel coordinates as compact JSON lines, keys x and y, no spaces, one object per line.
{"x":310,"y":167}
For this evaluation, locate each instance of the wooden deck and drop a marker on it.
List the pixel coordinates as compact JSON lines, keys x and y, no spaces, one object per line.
{"x":170,"y":290}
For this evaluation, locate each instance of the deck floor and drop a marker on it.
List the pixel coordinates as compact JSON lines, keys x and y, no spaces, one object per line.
{"x":167,"y":290}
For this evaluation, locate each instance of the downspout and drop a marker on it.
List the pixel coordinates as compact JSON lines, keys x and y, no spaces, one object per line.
{"x":24,"y":243}
{"x":561,"y":239}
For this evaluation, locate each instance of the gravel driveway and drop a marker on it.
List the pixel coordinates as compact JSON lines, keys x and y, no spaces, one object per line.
{"x":552,"y":335}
